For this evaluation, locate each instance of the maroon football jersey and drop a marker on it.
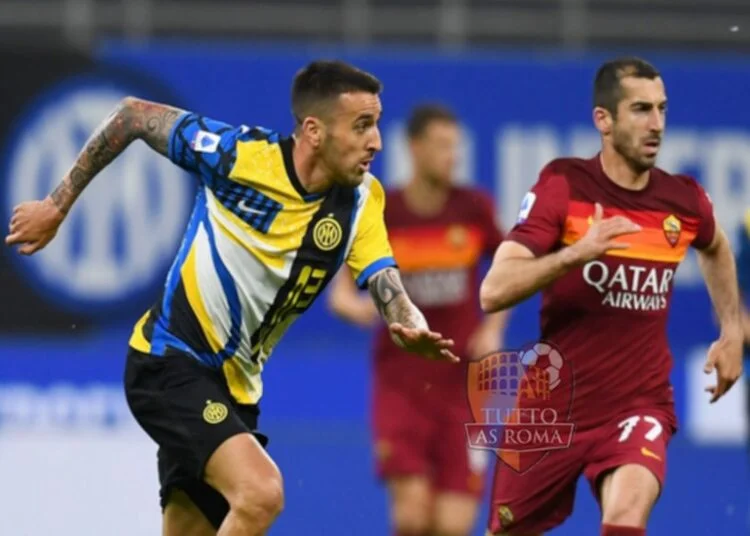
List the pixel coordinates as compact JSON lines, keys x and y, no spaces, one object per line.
{"x":438,"y":258}
{"x":609,"y":317}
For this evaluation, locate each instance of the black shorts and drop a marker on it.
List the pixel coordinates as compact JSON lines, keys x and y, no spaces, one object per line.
{"x":187,"y":410}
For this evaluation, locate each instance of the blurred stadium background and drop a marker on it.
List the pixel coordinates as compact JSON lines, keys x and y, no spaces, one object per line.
{"x":72,"y":462}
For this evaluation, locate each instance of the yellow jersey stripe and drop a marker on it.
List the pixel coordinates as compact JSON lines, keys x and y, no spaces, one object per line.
{"x":137,"y":340}
{"x":239,"y":386}
{"x":193,"y":293}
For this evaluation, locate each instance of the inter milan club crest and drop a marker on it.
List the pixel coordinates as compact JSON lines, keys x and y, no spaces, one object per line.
{"x":672,"y":229}
{"x":327,"y":233}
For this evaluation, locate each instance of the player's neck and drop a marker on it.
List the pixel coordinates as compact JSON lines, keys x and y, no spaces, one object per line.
{"x":617,"y":169}
{"x":313,"y":175}
{"x":425,"y":198}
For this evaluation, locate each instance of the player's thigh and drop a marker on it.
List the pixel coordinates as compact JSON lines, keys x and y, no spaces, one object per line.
{"x":628,"y":494}
{"x":243,"y":472}
{"x":454,"y":514}
{"x":458,"y":468}
{"x":183,"y":518}
{"x":533,"y":496}
{"x":411,"y":503}
{"x":627,"y":467}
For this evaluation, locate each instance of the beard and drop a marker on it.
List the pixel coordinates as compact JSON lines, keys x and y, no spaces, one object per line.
{"x":331,"y":158}
{"x":624,"y":144}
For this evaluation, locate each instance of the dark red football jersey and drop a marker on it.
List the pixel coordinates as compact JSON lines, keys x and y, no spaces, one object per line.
{"x":438,"y":258}
{"x":609,"y":317}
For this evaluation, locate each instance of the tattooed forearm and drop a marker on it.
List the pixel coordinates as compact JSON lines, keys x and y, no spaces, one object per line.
{"x":132,"y":119}
{"x":391,"y":299}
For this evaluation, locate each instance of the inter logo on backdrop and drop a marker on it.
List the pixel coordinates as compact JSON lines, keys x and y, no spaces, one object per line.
{"x":122,"y":233}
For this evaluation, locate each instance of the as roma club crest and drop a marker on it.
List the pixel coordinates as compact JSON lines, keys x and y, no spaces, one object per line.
{"x":672,"y":229}
{"x":457,"y":236}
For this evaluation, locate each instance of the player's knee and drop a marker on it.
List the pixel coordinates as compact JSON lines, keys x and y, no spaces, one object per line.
{"x":259,"y":503}
{"x":631,"y":497}
{"x":629,"y":510}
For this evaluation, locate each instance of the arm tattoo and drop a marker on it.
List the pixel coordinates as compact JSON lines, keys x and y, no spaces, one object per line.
{"x":131,"y":120}
{"x":391,"y":299}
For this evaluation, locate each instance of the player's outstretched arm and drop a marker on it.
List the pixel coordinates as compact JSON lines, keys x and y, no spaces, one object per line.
{"x":132,"y":119}
{"x":407,"y":324}
{"x":35,"y":223}
{"x":719,"y":271}
{"x":517,"y":274}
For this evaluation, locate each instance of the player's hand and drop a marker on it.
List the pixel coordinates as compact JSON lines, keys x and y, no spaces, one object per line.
{"x":601,"y":235}
{"x":485,"y":339}
{"x":33,"y":225}
{"x":725,"y":357}
{"x":427,"y":343}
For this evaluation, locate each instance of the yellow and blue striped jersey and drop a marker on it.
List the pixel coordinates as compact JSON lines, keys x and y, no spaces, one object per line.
{"x":257,"y":251}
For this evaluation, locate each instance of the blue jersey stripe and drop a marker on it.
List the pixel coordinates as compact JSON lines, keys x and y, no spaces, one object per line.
{"x":230,"y":291}
{"x":161,"y":336}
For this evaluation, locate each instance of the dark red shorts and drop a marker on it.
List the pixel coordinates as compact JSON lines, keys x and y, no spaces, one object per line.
{"x":423,"y":434}
{"x":542,"y":497}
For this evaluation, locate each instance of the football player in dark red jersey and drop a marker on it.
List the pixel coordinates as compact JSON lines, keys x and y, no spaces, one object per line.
{"x":602,"y":238}
{"x":439,"y":232}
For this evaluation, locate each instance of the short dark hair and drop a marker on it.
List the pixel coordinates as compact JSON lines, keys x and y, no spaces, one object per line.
{"x":322,"y":81}
{"x":607,"y":85}
{"x":424,"y":115}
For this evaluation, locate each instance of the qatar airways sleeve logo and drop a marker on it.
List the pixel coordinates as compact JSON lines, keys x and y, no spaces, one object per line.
{"x":631,"y":287}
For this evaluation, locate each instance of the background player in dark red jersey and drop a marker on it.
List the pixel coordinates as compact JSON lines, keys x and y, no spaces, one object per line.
{"x":439,"y":233}
{"x":602,"y":238}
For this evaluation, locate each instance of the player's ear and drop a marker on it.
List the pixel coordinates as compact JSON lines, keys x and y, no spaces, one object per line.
{"x":602,"y":120}
{"x":313,"y":130}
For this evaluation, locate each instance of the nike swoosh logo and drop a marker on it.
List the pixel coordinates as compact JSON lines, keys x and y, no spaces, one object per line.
{"x":650,"y":454}
{"x":242,"y":205}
